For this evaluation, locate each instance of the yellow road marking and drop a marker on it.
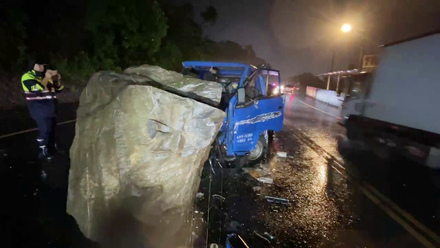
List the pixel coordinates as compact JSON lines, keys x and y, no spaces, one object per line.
{"x":373,"y":194}
{"x":399,"y":220}
{"x":430,"y":233}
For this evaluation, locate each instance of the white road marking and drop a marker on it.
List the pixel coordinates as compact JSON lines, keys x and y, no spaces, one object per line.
{"x":337,"y":117}
{"x":31,"y":130}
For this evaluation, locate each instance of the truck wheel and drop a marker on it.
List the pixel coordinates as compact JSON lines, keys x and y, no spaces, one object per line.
{"x":256,"y":155}
{"x":353,"y":133}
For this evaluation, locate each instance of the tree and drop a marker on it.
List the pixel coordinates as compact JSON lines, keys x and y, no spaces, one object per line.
{"x":13,"y":33}
{"x":232,"y":51}
{"x":209,"y":15}
{"x":125,"y":33}
{"x":250,"y":51}
{"x":184,"y":40}
{"x":90,"y":35}
{"x":308,"y":79}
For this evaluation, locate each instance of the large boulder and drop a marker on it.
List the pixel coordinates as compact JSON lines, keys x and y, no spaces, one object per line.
{"x":140,"y":142}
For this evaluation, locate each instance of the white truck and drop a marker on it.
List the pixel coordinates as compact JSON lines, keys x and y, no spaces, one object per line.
{"x":398,"y":104}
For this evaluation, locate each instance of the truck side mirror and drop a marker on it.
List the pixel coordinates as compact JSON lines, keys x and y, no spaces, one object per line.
{"x":241,"y":96}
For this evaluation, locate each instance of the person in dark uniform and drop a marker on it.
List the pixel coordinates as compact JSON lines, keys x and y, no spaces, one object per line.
{"x":40,"y":86}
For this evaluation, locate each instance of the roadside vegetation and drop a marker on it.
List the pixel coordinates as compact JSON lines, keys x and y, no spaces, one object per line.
{"x":80,"y":37}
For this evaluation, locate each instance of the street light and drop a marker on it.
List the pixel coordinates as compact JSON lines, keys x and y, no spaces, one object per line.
{"x":346,"y":28}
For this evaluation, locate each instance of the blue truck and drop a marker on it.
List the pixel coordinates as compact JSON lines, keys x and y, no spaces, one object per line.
{"x":254,"y":107}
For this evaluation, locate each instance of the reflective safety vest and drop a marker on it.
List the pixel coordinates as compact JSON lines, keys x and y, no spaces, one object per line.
{"x":34,"y":90}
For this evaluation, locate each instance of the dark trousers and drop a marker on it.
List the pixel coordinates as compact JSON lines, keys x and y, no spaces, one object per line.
{"x":43,"y":113}
{"x":46,"y":131}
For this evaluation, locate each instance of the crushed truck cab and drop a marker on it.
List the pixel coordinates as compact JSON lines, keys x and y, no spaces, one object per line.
{"x":252,"y":102}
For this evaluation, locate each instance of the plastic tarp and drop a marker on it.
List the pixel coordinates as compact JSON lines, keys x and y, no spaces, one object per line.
{"x":138,"y":153}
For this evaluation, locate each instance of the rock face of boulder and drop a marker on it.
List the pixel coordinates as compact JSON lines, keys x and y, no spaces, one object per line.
{"x":140,"y":143}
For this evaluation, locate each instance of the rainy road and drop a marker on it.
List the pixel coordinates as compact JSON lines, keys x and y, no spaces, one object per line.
{"x":33,"y":206}
{"x":355,"y":200}
{"x":407,"y":193}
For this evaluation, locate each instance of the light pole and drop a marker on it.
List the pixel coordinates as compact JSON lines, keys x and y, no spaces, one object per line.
{"x":347,"y":28}
{"x":344,"y":28}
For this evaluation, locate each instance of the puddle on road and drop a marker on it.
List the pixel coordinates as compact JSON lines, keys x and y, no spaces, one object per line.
{"x":317,"y":201}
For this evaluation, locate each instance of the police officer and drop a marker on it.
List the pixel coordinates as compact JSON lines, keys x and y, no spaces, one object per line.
{"x":40,"y":86}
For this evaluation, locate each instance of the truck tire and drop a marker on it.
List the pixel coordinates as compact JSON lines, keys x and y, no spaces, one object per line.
{"x":353,"y":132}
{"x":256,"y":155}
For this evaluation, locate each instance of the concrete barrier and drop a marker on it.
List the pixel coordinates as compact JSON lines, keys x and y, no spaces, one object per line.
{"x":311,"y":91}
{"x":326,"y":96}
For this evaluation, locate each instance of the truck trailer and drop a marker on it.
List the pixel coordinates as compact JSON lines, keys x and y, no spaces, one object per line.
{"x":398,"y":104}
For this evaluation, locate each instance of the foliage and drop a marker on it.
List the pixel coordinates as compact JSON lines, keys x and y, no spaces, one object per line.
{"x":169,"y":56}
{"x":232,"y":51}
{"x":184,"y":37}
{"x":13,"y":33}
{"x":83,"y":36}
{"x":209,"y":15}
{"x":125,"y":33}
{"x":308,"y":79}
{"x":77,"y":69}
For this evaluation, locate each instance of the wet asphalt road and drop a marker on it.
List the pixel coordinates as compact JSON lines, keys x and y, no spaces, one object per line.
{"x":33,"y":206}
{"x":335,"y":200}
{"x":352,"y":200}
{"x":414,"y":189}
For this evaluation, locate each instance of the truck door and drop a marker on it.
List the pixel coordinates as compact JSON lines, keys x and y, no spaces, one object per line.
{"x":261,"y":110}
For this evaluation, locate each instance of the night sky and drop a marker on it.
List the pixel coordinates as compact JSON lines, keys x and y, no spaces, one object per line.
{"x":299,"y":36}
